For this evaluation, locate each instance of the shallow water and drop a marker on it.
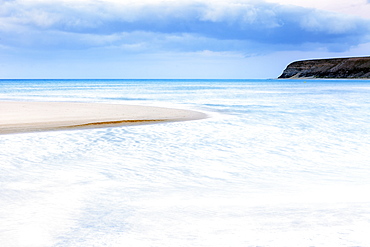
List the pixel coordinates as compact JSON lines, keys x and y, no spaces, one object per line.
{"x":278,"y":163}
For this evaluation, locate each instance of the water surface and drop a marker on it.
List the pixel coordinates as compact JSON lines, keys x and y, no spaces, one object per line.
{"x":278,"y":163}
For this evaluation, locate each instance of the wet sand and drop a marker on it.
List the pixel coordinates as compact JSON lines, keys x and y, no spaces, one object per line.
{"x":22,"y":116}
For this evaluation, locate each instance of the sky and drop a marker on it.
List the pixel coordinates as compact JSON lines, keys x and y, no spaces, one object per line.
{"x":184,"y":39}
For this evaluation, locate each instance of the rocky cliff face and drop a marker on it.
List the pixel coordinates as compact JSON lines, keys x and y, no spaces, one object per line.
{"x":354,"y":67}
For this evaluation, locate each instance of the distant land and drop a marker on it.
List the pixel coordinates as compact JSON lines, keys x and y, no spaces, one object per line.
{"x":351,"y":67}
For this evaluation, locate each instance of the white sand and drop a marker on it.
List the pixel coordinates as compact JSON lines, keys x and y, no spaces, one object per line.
{"x":19,"y":116}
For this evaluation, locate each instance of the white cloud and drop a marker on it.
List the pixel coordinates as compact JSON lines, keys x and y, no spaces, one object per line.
{"x":358,"y":8}
{"x":61,"y":23}
{"x":334,"y":23}
{"x":114,"y":29}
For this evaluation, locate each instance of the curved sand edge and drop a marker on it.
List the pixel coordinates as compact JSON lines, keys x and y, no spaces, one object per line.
{"x":19,"y":116}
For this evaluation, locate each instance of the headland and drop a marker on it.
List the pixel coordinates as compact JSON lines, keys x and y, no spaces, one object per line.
{"x":336,"y":68}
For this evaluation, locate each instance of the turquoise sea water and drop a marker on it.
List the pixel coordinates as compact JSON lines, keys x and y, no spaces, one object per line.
{"x":277,"y":163}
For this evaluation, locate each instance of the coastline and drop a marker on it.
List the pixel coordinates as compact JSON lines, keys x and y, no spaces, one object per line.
{"x":331,"y":68}
{"x":30,"y":116}
{"x":323,"y":78}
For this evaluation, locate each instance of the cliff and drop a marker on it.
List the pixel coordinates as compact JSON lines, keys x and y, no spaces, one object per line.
{"x":353,"y":67}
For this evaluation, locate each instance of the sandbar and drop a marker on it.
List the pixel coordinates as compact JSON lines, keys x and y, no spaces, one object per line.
{"x":30,"y":116}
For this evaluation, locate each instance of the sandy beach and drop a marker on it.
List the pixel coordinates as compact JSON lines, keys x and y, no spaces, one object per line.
{"x":19,"y":116}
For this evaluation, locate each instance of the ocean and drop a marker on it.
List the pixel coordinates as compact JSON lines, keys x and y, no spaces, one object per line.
{"x":276,"y":163}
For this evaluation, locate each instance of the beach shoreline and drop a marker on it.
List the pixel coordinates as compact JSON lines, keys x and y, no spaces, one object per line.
{"x":32,"y":116}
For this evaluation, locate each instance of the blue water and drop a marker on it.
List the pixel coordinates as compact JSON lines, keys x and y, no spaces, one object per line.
{"x":277,"y":163}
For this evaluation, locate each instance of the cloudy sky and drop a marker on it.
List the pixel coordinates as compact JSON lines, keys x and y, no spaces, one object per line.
{"x":175,"y":38}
